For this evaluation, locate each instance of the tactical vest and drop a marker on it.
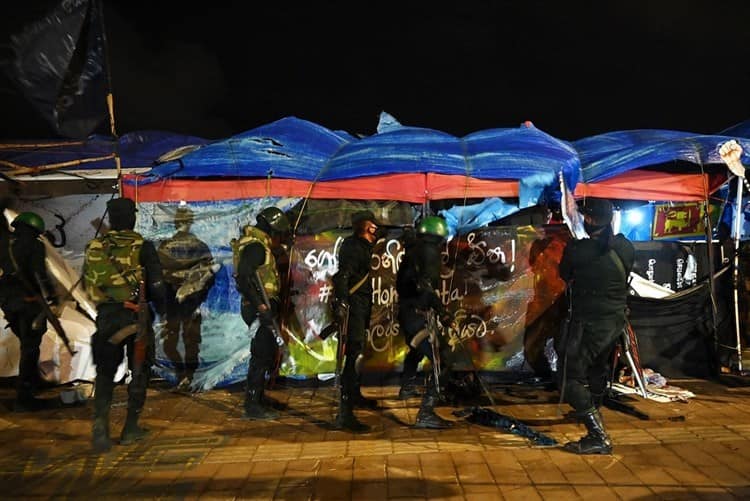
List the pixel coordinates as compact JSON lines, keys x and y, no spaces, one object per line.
{"x":112,"y":267}
{"x":600,"y":288}
{"x":7,"y":268}
{"x":268,"y":272}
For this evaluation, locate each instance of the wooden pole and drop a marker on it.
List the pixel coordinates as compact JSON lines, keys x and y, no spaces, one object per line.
{"x":19,"y":170}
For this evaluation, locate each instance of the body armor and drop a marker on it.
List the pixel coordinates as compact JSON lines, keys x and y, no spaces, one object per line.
{"x":268,"y":271}
{"x":112,"y":268}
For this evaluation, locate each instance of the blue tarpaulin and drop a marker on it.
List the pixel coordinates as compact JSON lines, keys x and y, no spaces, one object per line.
{"x":606,"y":155}
{"x":288,"y":148}
{"x":524,"y":153}
{"x":297,"y":149}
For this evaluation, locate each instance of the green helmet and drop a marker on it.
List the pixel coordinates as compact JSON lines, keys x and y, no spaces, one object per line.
{"x":275,"y":219}
{"x":30,"y":219}
{"x":433,"y":225}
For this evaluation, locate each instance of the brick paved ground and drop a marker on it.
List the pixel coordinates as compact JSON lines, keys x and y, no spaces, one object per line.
{"x":201,"y":448}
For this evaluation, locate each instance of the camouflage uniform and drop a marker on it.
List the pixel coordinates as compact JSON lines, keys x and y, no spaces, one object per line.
{"x":116,"y":298}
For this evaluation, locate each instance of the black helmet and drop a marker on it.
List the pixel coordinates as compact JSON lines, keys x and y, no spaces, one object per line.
{"x":599,"y":209}
{"x":31,"y":219}
{"x":183,"y":215}
{"x":364,"y":215}
{"x":275,"y":219}
{"x":121,"y":206}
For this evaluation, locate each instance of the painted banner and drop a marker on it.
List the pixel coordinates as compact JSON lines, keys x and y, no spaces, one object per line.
{"x":497,"y":281}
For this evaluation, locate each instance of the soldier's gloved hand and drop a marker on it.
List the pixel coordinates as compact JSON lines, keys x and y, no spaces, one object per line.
{"x":340,"y":309}
{"x":159,"y":307}
{"x":265,"y":316}
{"x":448,"y":321}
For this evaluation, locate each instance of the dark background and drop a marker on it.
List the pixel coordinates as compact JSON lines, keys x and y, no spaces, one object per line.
{"x":575,"y":69}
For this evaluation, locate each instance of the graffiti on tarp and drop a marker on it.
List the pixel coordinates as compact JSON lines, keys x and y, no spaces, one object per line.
{"x":489,"y":282}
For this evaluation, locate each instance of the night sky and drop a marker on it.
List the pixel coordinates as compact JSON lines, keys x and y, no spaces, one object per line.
{"x":213,"y":69}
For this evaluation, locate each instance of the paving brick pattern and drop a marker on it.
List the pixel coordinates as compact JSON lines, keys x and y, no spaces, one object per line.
{"x":201,"y":448}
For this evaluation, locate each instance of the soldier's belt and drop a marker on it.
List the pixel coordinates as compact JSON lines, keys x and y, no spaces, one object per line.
{"x":131,"y":306}
{"x":122,"y":334}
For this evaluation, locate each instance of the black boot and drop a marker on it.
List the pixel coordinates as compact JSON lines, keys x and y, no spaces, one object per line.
{"x":186,"y":382}
{"x":346,"y":419}
{"x":100,"y":440}
{"x":409,"y":389}
{"x":426,"y":417}
{"x":596,"y":441}
{"x":598,"y":399}
{"x":362,"y":402}
{"x":255,"y":408}
{"x":131,"y":432}
{"x":25,"y":400}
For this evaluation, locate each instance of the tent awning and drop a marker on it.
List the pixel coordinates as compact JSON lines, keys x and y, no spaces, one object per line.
{"x":415,"y":188}
{"x":419,"y":188}
{"x":653,"y":185}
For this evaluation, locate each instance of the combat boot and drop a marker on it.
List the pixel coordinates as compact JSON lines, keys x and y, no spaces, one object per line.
{"x":426,"y":417}
{"x":25,"y":400}
{"x":362,"y":402}
{"x":346,"y":420}
{"x":255,"y":408}
{"x":131,"y":432}
{"x":409,"y":389}
{"x":596,"y":441}
{"x":27,"y":403}
{"x":100,"y":440}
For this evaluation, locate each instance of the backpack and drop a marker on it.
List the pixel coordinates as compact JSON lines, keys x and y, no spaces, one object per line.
{"x":406,"y":278}
{"x":112,"y":270}
{"x":7,"y":268}
{"x":268,"y":271}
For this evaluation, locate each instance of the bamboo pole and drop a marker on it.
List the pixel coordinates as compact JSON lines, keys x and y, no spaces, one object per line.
{"x":110,"y":99}
{"x":19,"y":169}
{"x":22,"y":146}
{"x":118,"y":164}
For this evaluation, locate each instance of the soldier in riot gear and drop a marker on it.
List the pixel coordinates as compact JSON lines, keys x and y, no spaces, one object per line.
{"x":417,"y":279}
{"x":352,"y":291}
{"x":188,"y":270}
{"x":597,"y":270}
{"x":410,"y":383}
{"x":24,"y":279}
{"x":259,"y":283}
{"x":116,"y":266}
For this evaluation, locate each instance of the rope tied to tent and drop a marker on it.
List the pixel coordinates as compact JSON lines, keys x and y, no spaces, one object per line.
{"x":268,"y":183}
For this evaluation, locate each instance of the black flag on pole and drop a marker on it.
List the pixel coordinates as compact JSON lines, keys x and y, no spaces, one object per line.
{"x":57,"y":63}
